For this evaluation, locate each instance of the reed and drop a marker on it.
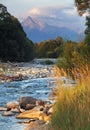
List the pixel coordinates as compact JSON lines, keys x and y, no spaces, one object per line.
{"x":72,"y":107}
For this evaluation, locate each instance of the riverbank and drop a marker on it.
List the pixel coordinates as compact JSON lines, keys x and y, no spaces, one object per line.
{"x":37,"y":82}
{"x":31,"y":110}
{"x":22,"y":71}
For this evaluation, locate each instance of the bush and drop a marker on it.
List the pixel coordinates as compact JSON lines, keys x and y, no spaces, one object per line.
{"x":73,"y":55}
{"x":72,"y":108}
{"x":49,"y":62}
{"x":49,"y":49}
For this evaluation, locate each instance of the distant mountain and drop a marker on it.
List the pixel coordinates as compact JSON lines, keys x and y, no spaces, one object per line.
{"x":38,"y":31}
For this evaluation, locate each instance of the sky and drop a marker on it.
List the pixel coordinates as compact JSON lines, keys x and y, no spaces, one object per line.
{"x":63,"y":12}
{"x":19,"y":7}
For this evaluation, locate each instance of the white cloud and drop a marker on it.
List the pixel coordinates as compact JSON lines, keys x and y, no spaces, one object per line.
{"x":53,"y":12}
{"x":59,"y":16}
{"x":38,"y":11}
{"x":69,"y":11}
{"x":34,"y":11}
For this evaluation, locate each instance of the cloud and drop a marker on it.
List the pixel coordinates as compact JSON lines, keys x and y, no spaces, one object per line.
{"x":63,"y":16}
{"x":45,"y":11}
{"x":38,"y":11}
{"x":70,"y":11}
{"x":34,"y":11}
{"x":53,"y":12}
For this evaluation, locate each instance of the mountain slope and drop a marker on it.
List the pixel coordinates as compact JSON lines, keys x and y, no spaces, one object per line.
{"x":38,"y":31}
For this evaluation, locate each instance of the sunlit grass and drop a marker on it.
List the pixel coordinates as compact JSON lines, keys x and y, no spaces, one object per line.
{"x":72,"y":108}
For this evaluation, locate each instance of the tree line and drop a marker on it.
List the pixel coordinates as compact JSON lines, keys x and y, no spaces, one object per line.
{"x":14,"y":44}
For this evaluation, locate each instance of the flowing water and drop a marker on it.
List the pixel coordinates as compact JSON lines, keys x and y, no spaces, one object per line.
{"x":39,"y":88}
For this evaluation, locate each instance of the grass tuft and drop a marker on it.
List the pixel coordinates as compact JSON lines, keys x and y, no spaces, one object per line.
{"x":72,"y":107}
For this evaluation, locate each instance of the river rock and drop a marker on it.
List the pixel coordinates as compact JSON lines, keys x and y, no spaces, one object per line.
{"x":27,"y":103}
{"x":15,"y":110}
{"x":44,"y":117}
{"x":12,"y":105}
{"x":40,"y":103}
{"x":26,"y":121}
{"x":3,"y":108}
{"x":39,"y":125}
{"x":7,"y":113}
{"x":36,"y":125}
{"x":50,"y":111}
{"x":29,"y":106}
{"x":35,"y":113}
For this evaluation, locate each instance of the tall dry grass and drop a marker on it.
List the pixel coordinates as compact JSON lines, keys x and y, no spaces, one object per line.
{"x":72,"y":108}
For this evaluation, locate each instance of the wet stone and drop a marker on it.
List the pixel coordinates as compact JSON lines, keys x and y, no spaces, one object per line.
{"x":8,"y":113}
{"x":3,"y":108}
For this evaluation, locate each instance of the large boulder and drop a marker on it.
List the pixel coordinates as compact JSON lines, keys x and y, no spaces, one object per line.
{"x":27,"y":103}
{"x":30,"y":114}
{"x":35,"y":113}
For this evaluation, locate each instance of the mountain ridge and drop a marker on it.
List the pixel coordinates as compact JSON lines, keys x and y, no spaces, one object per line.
{"x":38,"y":30}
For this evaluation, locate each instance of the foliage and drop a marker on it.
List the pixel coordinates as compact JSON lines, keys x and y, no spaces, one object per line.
{"x":49,"y":62}
{"x":87,"y":42}
{"x":14,"y":45}
{"x":49,"y":49}
{"x":73,"y":55}
{"x":72,"y":108}
{"x":83,"y":6}
{"x":87,"y":31}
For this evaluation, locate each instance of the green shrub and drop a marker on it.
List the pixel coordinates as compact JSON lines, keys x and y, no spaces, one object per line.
{"x":49,"y":62}
{"x":73,"y":55}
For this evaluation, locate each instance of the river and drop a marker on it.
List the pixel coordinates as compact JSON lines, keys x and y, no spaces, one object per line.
{"x":39,"y":85}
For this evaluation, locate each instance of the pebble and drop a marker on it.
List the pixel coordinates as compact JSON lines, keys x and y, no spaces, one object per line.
{"x":15,"y":110}
{"x":3,"y":109}
{"x":8,"y":113}
{"x":22,"y":72}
